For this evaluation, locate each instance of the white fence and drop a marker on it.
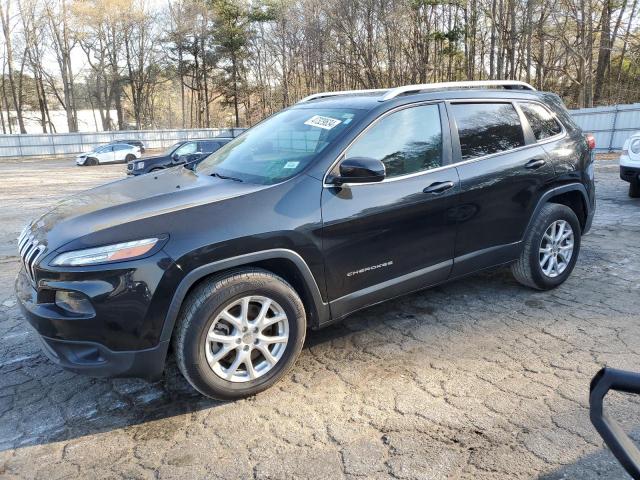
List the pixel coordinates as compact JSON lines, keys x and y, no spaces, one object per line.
{"x":71,"y":143}
{"x":611,"y":125}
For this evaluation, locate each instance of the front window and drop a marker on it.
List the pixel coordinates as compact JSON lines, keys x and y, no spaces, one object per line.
{"x":407,"y":141}
{"x":281,"y":146}
{"x":186,"y":149}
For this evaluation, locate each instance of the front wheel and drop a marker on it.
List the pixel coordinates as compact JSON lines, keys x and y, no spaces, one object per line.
{"x":91,"y":162}
{"x":239,"y":333}
{"x":550,"y":249}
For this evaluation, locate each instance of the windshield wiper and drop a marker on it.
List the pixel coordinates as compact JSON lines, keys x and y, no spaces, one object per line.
{"x":226,"y":177}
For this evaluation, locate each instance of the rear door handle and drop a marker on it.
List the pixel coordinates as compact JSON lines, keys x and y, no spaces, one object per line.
{"x":535,"y":164}
{"x":438,"y":187}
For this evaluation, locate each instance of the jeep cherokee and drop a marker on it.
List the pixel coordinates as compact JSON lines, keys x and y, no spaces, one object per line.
{"x":342,"y":201}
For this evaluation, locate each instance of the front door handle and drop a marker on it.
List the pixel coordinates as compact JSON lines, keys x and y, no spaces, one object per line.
{"x":535,"y":164}
{"x":438,"y":187}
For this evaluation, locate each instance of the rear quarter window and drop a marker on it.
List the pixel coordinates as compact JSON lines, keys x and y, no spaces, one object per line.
{"x":487,"y":128}
{"x":543,"y":123}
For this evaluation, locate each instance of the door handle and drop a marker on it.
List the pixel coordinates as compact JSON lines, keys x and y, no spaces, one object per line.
{"x":535,"y":164}
{"x":438,"y":187}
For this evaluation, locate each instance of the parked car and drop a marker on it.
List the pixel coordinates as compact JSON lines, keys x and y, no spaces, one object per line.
{"x":630,"y":164}
{"x":188,"y":151}
{"x":112,"y":153}
{"x":340,"y":202}
{"x":135,"y":143}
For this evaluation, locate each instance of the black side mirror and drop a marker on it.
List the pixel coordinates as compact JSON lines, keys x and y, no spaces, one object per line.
{"x":174,"y":157}
{"x":360,"y":170}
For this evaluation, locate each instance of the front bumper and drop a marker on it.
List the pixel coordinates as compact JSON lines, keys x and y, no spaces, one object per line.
{"x":121,"y":337}
{"x":93,"y":359}
{"x":80,"y":160}
{"x":629,"y":173}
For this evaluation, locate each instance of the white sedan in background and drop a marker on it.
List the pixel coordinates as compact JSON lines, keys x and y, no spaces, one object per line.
{"x":114,"y":153}
{"x":630,"y":164}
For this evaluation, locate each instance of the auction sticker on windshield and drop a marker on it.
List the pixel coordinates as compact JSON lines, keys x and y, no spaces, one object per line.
{"x":323,"y":122}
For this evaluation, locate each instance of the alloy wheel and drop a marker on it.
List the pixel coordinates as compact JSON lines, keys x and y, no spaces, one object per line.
{"x":556,"y":248}
{"x":247,"y":339}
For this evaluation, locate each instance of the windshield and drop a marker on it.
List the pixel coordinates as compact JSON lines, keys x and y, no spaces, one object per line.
{"x":279,"y":147}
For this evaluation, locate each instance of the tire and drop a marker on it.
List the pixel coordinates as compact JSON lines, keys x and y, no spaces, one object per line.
{"x":129,"y":158}
{"x":92,"y":162}
{"x":634,"y":188}
{"x":203,"y":311}
{"x":528,"y":269}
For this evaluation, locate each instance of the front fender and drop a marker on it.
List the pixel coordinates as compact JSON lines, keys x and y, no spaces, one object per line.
{"x":321,"y":309}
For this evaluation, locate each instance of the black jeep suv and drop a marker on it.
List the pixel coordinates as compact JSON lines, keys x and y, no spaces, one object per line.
{"x":187,"y":151}
{"x":342,"y":201}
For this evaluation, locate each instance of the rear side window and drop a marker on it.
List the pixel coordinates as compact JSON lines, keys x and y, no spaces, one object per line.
{"x":486,"y":128}
{"x":406,"y":141}
{"x":542,"y":121}
{"x":208,"y":147}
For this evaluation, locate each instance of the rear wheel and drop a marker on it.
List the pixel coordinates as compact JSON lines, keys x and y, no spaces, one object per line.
{"x":239,"y":333}
{"x":130,"y":158}
{"x":634,"y":188}
{"x":550,"y":249}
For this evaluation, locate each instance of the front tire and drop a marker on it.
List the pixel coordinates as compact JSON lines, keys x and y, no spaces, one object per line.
{"x":550,"y":249}
{"x":634,"y":188}
{"x":92,"y":162}
{"x":239,"y":333}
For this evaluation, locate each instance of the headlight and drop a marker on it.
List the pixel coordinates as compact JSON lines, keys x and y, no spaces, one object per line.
{"x":108,"y":253}
{"x":635,"y":146}
{"x":139,"y":165}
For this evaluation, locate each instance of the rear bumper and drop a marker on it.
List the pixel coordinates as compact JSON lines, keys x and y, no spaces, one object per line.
{"x":629,"y":174}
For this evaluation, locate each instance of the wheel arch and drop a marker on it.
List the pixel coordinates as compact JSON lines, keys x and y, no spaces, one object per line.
{"x":573,"y":196}
{"x":285,"y":263}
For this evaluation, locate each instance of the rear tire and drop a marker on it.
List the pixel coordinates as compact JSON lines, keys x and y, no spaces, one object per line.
{"x":130,"y":158}
{"x":634,"y":188}
{"x":224,"y":329}
{"x":550,"y":249}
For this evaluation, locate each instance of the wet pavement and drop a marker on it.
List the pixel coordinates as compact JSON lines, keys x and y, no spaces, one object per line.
{"x":476,"y":379}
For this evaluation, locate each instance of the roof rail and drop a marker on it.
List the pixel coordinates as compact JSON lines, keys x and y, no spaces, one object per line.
{"x":508,"y":84}
{"x":343,"y":92}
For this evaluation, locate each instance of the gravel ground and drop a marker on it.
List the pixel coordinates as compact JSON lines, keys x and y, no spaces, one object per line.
{"x":476,"y":379}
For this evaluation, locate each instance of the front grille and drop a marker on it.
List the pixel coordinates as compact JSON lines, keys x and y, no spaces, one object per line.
{"x":31,"y":250}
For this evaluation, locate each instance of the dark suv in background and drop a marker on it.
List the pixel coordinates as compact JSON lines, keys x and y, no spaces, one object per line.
{"x":188,"y":151}
{"x":342,"y":201}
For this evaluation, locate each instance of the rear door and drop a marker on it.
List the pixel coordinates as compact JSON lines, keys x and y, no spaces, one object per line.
{"x":503,"y":173}
{"x":384,"y":239}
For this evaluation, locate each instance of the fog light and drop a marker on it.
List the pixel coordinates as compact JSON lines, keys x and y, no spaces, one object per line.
{"x":74,"y":302}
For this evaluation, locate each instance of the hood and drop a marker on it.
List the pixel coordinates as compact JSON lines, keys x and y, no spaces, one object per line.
{"x":82,"y":155}
{"x":132,"y":200}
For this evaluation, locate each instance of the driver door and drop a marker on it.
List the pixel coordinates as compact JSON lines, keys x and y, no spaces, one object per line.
{"x":384,"y":239}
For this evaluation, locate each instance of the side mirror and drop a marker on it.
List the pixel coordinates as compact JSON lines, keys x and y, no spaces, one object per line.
{"x":360,"y":170}
{"x":175,"y":157}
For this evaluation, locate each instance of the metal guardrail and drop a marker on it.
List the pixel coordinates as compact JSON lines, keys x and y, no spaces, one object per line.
{"x":30,"y":145}
{"x":621,"y":445}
